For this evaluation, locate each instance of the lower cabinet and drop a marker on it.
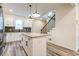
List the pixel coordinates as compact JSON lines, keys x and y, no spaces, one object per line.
{"x":26,"y":44}
{"x":12,"y":37}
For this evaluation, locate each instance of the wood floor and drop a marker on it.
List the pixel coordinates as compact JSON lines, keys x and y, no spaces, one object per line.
{"x":55,"y":50}
{"x":14,"y":49}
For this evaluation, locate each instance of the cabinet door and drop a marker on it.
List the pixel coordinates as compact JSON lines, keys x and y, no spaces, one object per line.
{"x":24,"y":41}
{"x":30,"y":47}
{"x":8,"y":37}
{"x":6,"y":22}
{"x":9,"y":20}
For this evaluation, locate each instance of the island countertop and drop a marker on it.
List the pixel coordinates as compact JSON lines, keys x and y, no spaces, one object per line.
{"x":33,"y":35}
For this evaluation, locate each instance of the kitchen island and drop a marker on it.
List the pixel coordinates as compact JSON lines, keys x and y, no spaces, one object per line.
{"x":35,"y":44}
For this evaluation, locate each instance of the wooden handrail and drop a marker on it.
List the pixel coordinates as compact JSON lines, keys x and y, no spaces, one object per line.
{"x":47,"y":23}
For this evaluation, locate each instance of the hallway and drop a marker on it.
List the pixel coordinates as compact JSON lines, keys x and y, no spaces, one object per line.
{"x":14,"y":49}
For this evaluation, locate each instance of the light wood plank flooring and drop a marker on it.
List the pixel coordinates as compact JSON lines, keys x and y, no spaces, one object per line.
{"x":14,"y":49}
{"x":55,"y":50}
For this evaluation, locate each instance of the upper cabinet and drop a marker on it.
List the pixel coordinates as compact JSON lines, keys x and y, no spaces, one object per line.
{"x":9,"y":20}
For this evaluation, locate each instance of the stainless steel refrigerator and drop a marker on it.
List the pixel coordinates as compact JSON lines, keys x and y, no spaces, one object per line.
{"x":2,"y":40}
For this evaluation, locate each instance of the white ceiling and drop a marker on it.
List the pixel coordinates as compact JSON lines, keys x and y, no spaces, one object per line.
{"x":22,"y":9}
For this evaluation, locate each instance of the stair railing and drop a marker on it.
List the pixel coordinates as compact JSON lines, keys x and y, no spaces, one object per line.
{"x":49,"y":25}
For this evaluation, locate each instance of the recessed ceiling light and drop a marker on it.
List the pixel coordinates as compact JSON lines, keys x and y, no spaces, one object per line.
{"x":10,"y":10}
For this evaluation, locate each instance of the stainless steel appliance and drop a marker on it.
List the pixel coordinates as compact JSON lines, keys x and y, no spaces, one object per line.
{"x":1,"y":31}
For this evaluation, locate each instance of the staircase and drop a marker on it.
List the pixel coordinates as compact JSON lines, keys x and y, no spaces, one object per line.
{"x":53,"y":49}
{"x":49,"y":25}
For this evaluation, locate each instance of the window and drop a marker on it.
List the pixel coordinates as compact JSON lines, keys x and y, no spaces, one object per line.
{"x":1,"y":23}
{"x":50,"y":15}
{"x":19,"y":24}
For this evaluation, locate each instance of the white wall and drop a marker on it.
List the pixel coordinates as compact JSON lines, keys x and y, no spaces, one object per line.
{"x":37,"y":26}
{"x":77,"y":26}
{"x":64,"y":32}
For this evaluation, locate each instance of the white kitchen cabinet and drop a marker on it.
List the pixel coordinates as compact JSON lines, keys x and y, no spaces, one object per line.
{"x":9,"y":20}
{"x":35,"y":45}
{"x":11,"y":37}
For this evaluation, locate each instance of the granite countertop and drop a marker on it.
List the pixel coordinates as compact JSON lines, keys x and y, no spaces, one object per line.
{"x":33,"y":35}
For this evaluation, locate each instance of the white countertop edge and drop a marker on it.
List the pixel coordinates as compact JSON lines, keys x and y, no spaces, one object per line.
{"x":34,"y":35}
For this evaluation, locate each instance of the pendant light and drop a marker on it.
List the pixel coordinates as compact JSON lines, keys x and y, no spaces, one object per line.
{"x":30,"y":17}
{"x":36,"y":14}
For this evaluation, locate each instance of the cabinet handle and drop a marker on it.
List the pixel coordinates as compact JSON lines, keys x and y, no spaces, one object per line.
{"x":26,"y":43}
